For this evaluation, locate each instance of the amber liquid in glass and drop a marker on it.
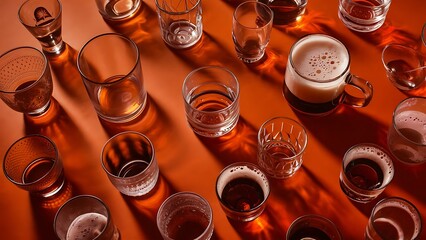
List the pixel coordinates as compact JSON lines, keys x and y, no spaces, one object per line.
{"x":242,"y":194}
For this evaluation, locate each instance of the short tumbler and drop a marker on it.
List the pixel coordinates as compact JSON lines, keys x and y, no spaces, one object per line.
{"x":118,"y":9}
{"x":407,"y":133}
{"x":313,"y":227}
{"x":85,"y":217}
{"x":242,"y":189}
{"x":25,"y":80}
{"x":185,"y":215}
{"x":128,"y":159}
{"x":394,"y":218}
{"x":33,"y":164}
{"x":110,"y":67}
{"x":281,"y":144}
{"x":366,"y":171}
{"x":211,"y":96}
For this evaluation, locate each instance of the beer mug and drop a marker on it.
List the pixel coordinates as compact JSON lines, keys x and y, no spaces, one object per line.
{"x":317,"y":74}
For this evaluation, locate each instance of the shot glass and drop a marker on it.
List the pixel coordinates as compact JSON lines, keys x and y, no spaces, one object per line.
{"x":33,"y":163}
{"x":43,"y":19}
{"x":251,"y":30}
{"x":405,"y":67}
{"x":118,"y":9}
{"x":85,"y":217}
{"x":281,"y":144}
{"x":242,"y":189}
{"x":116,"y":90}
{"x":313,"y":227}
{"x":180,"y":22}
{"x":363,"y":16}
{"x":128,"y":159}
{"x":286,"y":12}
{"x":211,"y":96}
{"x":407,"y":134}
{"x":366,"y":171}
{"x":394,"y":218}
{"x":25,"y":80}
{"x":185,"y":215}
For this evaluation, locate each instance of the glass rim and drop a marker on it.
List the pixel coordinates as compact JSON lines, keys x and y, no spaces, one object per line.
{"x":394,"y":125}
{"x":195,"y":5}
{"x":113,"y":138}
{"x":45,"y":63}
{"x":192,"y":194}
{"x":87,"y":196}
{"x":110,"y":34}
{"x":57,"y":159}
{"x":49,"y":24}
{"x":385,"y":3}
{"x":290,"y":58}
{"x":303,"y":148}
{"x":251,"y":2}
{"x":251,"y":165}
{"x":399,"y":46}
{"x":324,"y":219}
{"x":424,"y":34}
{"x":232,"y":75}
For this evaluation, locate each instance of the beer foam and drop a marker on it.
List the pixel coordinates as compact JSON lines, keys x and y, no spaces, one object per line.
{"x":86,"y":226}
{"x":320,"y":59}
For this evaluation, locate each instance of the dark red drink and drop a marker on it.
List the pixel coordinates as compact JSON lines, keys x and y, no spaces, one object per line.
{"x":242,"y":194}
{"x":364,"y":173}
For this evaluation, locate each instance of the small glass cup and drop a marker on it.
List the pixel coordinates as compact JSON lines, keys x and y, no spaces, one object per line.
{"x":85,"y":217}
{"x":211,"y":96}
{"x":116,"y":90}
{"x":242,"y":189}
{"x":251,"y":30}
{"x":25,"y":81}
{"x":363,"y":16}
{"x":394,"y":218}
{"x":313,"y":227}
{"x":43,"y":19}
{"x":118,"y":9}
{"x":286,"y":12}
{"x":185,"y":215}
{"x":366,"y":171}
{"x":404,"y":66}
{"x":180,"y":22}
{"x":128,"y":159}
{"x":407,"y":134}
{"x":33,"y":164}
{"x":281,"y":144}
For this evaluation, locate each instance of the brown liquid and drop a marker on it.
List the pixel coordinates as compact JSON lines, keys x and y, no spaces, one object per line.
{"x":307,"y":232}
{"x":187,"y":223}
{"x":242,"y":194}
{"x":364,"y":173}
{"x":285,"y":11}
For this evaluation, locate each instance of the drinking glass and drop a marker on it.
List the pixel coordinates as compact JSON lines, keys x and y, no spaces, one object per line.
{"x":33,"y":164}
{"x":313,"y":227}
{"x":242,"y":189}
{"x":407,"y":133}
{"x":43,"y":19}
{"x":85,"y":217}
{"x":118,"y":9}
{"x":286,"y":11}
{"x":394,"y":218}
{"x":318,"y":77}
{"x":281,"y":144}
{"x":116,"y":90}
{"x":363,"y":16}
{"x":128,"y":159}
{"x":251,"y":30}
{"x":211,"y":96}
{"x":185,"y":215}
{"x":180,"y":22}
{"x":404,"y":66}
{"x":25,"y":81}
{"x":366,"y":171}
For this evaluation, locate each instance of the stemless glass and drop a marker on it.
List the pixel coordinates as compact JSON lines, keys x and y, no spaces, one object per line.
{"x":25,"y":80}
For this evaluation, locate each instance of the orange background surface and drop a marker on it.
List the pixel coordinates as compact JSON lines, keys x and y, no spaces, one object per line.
{"x":191,"y":163}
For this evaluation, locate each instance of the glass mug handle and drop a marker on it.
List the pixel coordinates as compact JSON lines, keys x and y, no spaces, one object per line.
{"x":357,"y":84}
